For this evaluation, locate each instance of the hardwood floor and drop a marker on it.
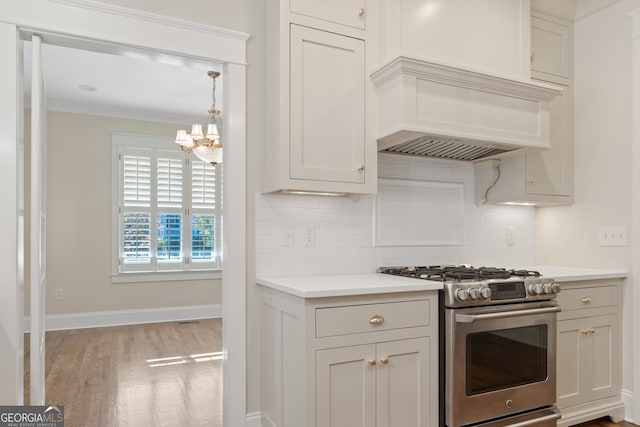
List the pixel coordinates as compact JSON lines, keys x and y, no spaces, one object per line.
{"x":162,"y":374}
{"x":605,"y":422}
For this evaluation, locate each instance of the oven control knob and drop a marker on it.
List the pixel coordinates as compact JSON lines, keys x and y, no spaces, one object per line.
{"x":555,"y":288}
{"x":485,"y":293}
{"x":535,"y":289}
{"x":474,"y":293}
{"x":462,"y":294}
{"x":546,"y":288}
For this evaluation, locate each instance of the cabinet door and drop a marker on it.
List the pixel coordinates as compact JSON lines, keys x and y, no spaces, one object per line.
{"x":550,"y":49}
{"x":327,"y":108}
{"x":345,"y":12}
{"x":550,"y":172}
{"x":406,"y":384}
{"x":587,"y":360}
{"x":345,"y":387}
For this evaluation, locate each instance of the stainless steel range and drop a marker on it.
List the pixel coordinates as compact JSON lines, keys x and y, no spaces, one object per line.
{"x":497,"y":345}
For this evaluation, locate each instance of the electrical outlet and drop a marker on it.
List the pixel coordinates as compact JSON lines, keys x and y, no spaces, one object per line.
{"x":288,"y":239}
{"x":309,"y":236}
{"x":511,"y":239}
{"x":59,"y":293}
{"x":613,"y":236}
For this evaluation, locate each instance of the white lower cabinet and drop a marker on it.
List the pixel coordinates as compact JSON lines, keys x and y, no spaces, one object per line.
{"x":353,"y":361}
{"x":589,"y":359}
{"x":382,"y":385}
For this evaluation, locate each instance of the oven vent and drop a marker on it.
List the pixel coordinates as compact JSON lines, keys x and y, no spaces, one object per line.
{"x":453,"y":149}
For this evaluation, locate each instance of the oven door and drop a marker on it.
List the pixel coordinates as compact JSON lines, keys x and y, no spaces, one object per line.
{"x":499,"y":361}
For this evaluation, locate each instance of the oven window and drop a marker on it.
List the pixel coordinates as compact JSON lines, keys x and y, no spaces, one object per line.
{"x":506,"y":358}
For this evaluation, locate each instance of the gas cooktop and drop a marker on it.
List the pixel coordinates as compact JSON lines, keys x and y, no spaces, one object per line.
{"x":466,"y":286}
{"x":457,"y":273}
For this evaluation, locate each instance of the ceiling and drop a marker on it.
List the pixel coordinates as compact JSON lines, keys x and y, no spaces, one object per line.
{"x":125,"y":84}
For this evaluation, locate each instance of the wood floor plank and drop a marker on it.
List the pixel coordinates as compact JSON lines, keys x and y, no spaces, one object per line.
{"x":162,"y":374}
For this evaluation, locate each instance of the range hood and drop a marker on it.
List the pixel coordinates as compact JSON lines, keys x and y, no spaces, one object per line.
{"x":427,"y":108}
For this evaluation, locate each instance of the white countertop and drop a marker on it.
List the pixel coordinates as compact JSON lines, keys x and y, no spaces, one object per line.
{"x":331,"y":285}
{"x":568,"y":274}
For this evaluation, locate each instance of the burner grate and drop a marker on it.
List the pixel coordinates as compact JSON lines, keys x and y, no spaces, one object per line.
{"x":456,"y":273}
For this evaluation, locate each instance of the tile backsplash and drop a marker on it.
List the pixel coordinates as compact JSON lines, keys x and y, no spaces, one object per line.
{"x":424,"y":213}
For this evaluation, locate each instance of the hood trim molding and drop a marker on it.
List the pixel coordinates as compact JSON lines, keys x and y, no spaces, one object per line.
{"x":425,"y":102}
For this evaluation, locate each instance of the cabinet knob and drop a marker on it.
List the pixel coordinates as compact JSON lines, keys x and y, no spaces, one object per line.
{"x":531,"y":181}
{"x":589,"y":331}
{"x":372,"y":362}
{"x":361,"y":11}
{"x":361,"y":168}
{"x":385,"y":360}
{"x":586,"y":300}
{"x":532,"y":56}
{"x":376,"y":319}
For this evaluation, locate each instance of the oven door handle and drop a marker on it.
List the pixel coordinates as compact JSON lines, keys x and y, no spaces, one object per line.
{"x":540,"y":420}
{"x":469,"y":318}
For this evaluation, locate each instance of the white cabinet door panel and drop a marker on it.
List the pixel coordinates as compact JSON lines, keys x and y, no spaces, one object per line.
{"x":327,"y":106}
{"x":404,"y":383}
{"x":550,"y":172}
{"x":345,"y":387}
{"x":587,"y":357}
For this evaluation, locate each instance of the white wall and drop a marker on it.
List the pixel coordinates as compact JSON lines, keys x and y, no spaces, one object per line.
{"x":344,"y":227}
{"x":569,"y":235}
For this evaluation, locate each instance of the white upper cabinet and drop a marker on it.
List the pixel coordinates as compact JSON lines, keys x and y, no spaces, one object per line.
{"x":345,"y":12}
{"x":319,"y":105}
{"x":550,"y":172}
{"x":551,"y":57}
{"x":540,"y":177}
{"x":327,"y":107}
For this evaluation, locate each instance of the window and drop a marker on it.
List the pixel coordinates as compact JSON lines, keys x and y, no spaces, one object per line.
{"x":167,"y":214}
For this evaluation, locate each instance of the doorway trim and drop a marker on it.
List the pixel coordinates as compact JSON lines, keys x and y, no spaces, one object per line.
{"x":82,"y":23}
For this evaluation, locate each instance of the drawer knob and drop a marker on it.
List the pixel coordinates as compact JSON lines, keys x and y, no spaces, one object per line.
{"x":385,"y":360}
{"x":376,"y":319}
{"x":586,"y":300}
{"x":372,"y":362}
{"x":361,"y":12}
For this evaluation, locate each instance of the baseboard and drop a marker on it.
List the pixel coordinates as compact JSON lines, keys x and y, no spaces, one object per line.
{"x":627,"y":399}
{"x":613,"y":408}
{"x":98,"y":319}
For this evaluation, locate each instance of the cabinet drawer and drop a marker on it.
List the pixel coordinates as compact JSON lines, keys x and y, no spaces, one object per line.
{"x":354,"y":319}
{"x":581,"y":298}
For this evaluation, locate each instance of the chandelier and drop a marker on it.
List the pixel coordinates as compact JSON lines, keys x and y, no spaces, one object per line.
{"x":206,"y":146}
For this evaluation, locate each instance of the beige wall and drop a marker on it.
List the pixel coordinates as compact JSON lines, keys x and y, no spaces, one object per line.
{"x":79,"y":235}
{"x":569,"y":235}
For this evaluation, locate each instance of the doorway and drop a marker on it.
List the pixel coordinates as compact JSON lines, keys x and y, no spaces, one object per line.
{"x":126,"y":33}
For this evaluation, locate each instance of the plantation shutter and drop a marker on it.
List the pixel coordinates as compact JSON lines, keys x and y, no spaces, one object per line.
{"x":170,"y":214}
{"x":168,"y":210}
{"x":135,"y":217}
{"x":205,"y":226}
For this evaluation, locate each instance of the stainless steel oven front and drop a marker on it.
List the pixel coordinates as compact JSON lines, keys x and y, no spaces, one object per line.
{"x":500,"y":360}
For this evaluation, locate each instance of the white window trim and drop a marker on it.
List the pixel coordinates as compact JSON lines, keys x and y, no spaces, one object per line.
{"x":131,"y":140}
{"x":166,"y":276}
